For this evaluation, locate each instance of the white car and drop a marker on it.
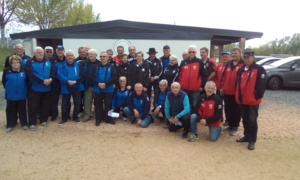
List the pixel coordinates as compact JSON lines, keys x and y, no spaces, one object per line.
{"x":267,"y":61}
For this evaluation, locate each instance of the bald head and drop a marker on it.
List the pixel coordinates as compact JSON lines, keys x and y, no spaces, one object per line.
{"x":175,"y":87}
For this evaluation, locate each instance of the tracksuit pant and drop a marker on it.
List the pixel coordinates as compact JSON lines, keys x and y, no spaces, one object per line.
{"x":249,"y":115}
{"x":38,"y":101}
{"x":15,"y":109}
{"x":232,"y":111}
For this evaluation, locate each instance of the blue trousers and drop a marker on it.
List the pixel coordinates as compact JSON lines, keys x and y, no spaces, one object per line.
{"x":145,"y":122}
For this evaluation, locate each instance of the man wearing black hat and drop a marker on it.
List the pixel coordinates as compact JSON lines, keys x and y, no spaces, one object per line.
{"x":165,"y":59}
{"x":251,"y":83}
{"x":155,"y":66}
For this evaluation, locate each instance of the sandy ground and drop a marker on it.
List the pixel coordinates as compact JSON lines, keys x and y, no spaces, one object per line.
{"x":124,"y":151}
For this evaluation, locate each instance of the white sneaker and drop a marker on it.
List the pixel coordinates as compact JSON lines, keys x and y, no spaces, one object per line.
{"x":80,"y":114}
{"x":124,"y":118}
{"x":44,"y":124}
{"x":32,"y":128}
{"x":9,"y":129}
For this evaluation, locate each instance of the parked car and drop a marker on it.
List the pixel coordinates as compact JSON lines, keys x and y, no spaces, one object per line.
{"x":267,"y":61}
{"x":283,"y":73}
{"x":258,"y":58}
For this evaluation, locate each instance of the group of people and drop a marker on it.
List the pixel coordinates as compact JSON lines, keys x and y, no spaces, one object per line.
{"x":183,"y":95}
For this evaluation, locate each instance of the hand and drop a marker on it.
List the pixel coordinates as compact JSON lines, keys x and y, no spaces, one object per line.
{"x":152,"y":79}
{"x":102,"y":85}
{"x":221,"y":92}
{"x":71,"y":83}
{"x":139,"y":122}
{"x":156,"y":111}
{"x":145,"y":89}
{"x":111,"y":110}
{"x":203,"y":122}
{"x":200,"y":89}
{"x":175,"y":119}
{"x":160,"y":115}
{"x":136,"y":113}
{"x":47,"y":81}
{"x":129,"y":87}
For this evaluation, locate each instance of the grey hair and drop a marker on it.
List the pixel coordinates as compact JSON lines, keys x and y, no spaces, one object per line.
{"x":173,"y":56}
{"x":70,"y":51}
{"x":212,"y":83}
{"x":92,"y":51}
{"x":131,"y":46}
{"x":163,"y":81}
{"x":122,"y":78}
{"x":38,"y":48}
{"x":19,"y":45}
{"x":193,"y":46}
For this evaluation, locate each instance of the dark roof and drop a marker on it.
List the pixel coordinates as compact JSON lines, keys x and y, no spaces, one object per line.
{"x":122,"y":29}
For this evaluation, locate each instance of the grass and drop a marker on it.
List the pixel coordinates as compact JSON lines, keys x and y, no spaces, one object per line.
{"x":3,"y":54}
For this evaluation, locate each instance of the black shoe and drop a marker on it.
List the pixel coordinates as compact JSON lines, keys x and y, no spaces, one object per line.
{"x":61,"y":122}
{"x":133,"y":122}
{"x":251,"y":145}
{"x":53,"y":118}
{"x":69,"y":117}
{"x":77,"y":120}
{"x":111,"y":122}
{"x":97,"y":123}
{"x":185,"y":134}
{"x":240,"y":140}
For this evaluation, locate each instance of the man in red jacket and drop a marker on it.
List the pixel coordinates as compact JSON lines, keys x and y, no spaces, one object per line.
{"x":251,"y":83}
{"x":228,"y":87}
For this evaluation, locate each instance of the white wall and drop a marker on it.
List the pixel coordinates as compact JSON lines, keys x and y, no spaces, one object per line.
{"x":177,"y":46}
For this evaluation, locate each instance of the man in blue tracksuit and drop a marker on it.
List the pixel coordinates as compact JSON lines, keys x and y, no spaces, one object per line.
{"x":40,"y":72}
{"x":106,"y":76}
{"x":55,"y":86}
{"x":71,"y":75}
{"x":15,"y":85}
{"x":19,"y":51}
{"x":137,"y":108}
{"x":177,"y":109}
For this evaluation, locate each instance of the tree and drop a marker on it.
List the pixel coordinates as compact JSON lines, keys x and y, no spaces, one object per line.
{"x":81,"y":13}
{"x":55,"y":13}
{"x":7,"y":9}
{"x":294,"y":44}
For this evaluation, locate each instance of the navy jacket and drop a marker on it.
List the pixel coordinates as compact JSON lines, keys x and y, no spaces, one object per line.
{"x":171,"y":74}
{"x":89,"y":69}
{"x":140,"y":74}
{"x":70,"y":72}
{"x":140,"y":103}
{"x":105,"y":74}
{"x":14,"y":83}
{"x":38,"y":71}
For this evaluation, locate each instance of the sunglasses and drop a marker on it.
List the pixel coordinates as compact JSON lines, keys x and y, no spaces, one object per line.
{"x":48,"y":51}
{"x":103,"y":56}
{"x":192,"y":52}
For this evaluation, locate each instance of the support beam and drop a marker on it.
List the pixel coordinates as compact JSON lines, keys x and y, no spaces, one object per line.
{"x":211,"y":52}
{"x":242,"y":44}
{"x":221,"y":49}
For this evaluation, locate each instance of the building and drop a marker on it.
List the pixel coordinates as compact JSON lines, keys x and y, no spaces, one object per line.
{"x":110,"y":34}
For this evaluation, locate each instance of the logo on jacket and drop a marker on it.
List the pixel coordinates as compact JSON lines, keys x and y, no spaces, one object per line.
{"x":186,"y":67}
{"x":154,"y":64}
{"x":195,"y":67}
{"x":263,"y":76}
{"x":210,"y":106}
{"x":143,"y":69}
{"x":174,"y":71}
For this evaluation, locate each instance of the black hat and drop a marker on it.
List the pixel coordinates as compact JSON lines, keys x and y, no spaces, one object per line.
{"x":249,"y":53}
{"x":166,"y":47}
{"x":151,"y":51}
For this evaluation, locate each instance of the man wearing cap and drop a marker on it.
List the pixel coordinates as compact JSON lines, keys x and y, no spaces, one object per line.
{"x":19,"y":50}
{"x":49,"y":53}
{"x":165,"y":59}
{"x":155,"y":66}
{"x":219,"y":72}
{"x":228,"y":88}
{"x":55,"y":87}
{"x":120,"y":51}
{"x":251,"y":83}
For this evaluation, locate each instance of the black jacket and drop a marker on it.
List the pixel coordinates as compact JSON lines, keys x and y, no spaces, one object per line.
{"x":171,"y":74}
{"x":140,"y":74}
{"x":124,"y":69}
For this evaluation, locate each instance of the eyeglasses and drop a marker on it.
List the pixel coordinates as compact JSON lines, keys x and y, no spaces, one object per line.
{"x":103,"y":56}
{"x":192,"y":52}
{"x":48,"y":51}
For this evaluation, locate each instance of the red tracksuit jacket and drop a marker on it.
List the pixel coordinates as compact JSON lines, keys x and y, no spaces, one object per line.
{"x":190,"y":74}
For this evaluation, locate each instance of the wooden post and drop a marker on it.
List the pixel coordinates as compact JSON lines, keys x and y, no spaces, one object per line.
{"x":211,"y":52}
{"x":221,"y":49}
{"x":242,"y":44}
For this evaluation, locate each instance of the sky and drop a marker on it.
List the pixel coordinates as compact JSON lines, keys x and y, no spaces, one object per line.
{"x":275,"y":19}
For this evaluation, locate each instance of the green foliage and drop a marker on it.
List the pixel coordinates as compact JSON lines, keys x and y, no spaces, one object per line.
{"x":55,"y":13}
{"x":286,"y":45}
{"x":4,"y":53}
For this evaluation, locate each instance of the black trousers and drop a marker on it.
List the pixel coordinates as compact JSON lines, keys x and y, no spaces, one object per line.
{"x":232,"y":111}
{"x":249,"y":115}
{"x":38,"y":101}
{"x":118,"y":110}
{"x":185,"y":120}
{"x":66,"y":104}
{"x":102,"y":105}
{"x":15,"y":109}
{"x":193,"y":97}
{"x":153,"y":84}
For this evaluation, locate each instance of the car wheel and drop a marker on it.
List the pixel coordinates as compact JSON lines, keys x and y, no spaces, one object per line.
{"x":274,"y":83}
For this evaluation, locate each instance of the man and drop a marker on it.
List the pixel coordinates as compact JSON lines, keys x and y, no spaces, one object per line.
{"x":140,"y":72}
{"x":120,"y":51}
{"x":86,"y":49}
{"x":155,"y":66}
{"x":71,"y":75}
{"x":226,"y":57}
{"x":40,"y":72}
{"x":228,"y":88}
{"x":185,"y":54}
{"x":209,"y":66}
{"x":132,"y":54}
{"x":177,"y":110}
{"x":165,"y":59}
{"x":19,"y":50}
{"x":110,"y":57}
{"x":82,"y":55}
{"x":190,"y":76}
{"x":160,"y":95}
{"x":106,"y":75}
{"x":171,"y":71}
{"x":89,"y":66}
{"x":137,"y":108}
{"x":55,"y":87}
{"x":208,"y":113}
{"x":251,"y":83}
{"x":49,"y":53}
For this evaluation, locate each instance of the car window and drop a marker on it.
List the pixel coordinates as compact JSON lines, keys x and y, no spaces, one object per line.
{"x":287,"y":65}
{"x":298,"y":64}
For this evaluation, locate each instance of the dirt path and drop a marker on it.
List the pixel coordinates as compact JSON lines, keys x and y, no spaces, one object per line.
{"x":84,"y":151}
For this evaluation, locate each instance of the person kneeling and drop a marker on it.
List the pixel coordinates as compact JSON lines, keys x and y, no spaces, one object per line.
{"x":208,"y":112}
{"x":137,"y":108}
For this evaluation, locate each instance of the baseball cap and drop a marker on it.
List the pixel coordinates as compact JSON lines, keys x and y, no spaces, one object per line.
{"x":61,"y":47}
